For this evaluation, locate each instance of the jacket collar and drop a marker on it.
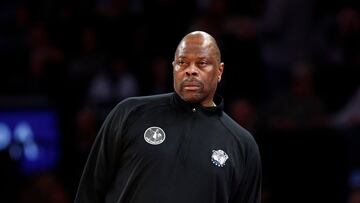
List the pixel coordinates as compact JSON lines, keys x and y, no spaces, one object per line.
{"x":177,"y":101}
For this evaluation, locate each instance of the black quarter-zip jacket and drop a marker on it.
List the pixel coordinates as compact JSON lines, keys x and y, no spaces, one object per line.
{"x":179,"y":163}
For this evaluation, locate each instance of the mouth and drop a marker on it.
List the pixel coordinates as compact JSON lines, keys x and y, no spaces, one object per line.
{"x":191,"y":85}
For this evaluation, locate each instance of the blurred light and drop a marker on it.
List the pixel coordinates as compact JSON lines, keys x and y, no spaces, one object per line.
{"x":354,"y":179}
{"x":31,"y":151}
{"x":34,"y":138}
{"x":5,"y":136}
{"x":23,"y":132}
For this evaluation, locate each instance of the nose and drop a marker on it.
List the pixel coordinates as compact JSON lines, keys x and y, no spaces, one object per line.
{"x":192,"y":70}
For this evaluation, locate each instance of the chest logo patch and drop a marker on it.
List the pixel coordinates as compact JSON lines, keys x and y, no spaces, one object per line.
{"x":219,"y":157}
{"x":154,"y":135}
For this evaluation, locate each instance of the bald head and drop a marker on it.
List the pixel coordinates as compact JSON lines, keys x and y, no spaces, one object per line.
{"x":202,"y":39}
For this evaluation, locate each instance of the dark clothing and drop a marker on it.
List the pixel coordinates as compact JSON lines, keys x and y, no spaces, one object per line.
{"x":190,"y":164}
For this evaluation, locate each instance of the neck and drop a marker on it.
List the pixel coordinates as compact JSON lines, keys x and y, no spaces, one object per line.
{"x":209,"y":104}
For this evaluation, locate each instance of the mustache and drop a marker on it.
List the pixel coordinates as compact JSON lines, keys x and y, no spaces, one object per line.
{"x":191,"y":81}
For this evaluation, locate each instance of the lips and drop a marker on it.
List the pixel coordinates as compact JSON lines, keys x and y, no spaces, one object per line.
{"x":192,"y":85}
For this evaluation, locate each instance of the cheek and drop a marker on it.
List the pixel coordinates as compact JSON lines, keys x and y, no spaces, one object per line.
{"x":212,"y":81}
{"x":176,"y":77}
{"x":211,"y":76}
{"x":178,"y":74}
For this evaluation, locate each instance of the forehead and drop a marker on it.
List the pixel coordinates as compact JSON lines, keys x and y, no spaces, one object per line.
{"x":196,"y":47}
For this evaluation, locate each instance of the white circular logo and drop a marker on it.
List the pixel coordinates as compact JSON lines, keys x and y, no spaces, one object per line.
{"x":154,"y":135}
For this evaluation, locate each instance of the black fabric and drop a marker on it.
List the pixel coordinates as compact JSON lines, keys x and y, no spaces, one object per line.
{"x":123,"y":168}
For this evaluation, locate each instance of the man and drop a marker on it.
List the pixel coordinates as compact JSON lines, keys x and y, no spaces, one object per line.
{"x":176,"y":147}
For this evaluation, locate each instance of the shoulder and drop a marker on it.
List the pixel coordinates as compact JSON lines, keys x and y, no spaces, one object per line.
{"x":158,"y":99}
{"x":128,"y":106}
{"x":133,"y":103}
{"x":240,"y":134}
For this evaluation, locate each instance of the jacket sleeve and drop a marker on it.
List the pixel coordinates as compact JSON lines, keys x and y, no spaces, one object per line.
{"x":249,"y":190}
{"x":100,"y":167}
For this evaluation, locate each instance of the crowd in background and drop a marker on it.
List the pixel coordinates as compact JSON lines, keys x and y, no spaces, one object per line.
{"x":290,"y":66}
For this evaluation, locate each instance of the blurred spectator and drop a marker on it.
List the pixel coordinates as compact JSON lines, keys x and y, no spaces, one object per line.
{"x":87,"y":126}
{"x":46,"y":62}
{"x":336,"y":40}
{"x":244,"y":113}
{"x":349,"y":115}
{"x":83,"y":68}
{"x":42,"y":51}
{"x":299,"y":107}
{"x":89,"y":59}
{"x":111,"y":86}
{"x":347,"y":122}
{"x":336,"y":52}
{"x":348,"y":21}
{"x":14,"y":49}
{"x":112,"y":8}
{"x":285,"y":36}
{"x":211,"y":18}
{"x":244,"y":65}
{"x":242,"y":27}
{"x":161,"y":76}
{"x":44,"y":188}
{"x":354,"y":184}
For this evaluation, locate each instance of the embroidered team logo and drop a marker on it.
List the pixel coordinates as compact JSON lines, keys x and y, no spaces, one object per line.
{"x":154,"y":135}
{"x":219,"y":157}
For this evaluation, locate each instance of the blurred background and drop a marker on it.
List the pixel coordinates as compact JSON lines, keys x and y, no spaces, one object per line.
{"x":291,"y":78}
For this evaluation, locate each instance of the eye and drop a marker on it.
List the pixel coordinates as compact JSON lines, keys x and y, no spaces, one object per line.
{"x":203,"y":63}
{"x":181,"y":62}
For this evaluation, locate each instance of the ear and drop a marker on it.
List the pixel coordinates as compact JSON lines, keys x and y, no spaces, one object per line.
{"x":221,"y":70}
{"x":173,"y":65}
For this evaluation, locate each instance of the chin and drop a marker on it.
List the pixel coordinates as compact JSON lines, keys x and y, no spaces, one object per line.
{"x":192,"y":97}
